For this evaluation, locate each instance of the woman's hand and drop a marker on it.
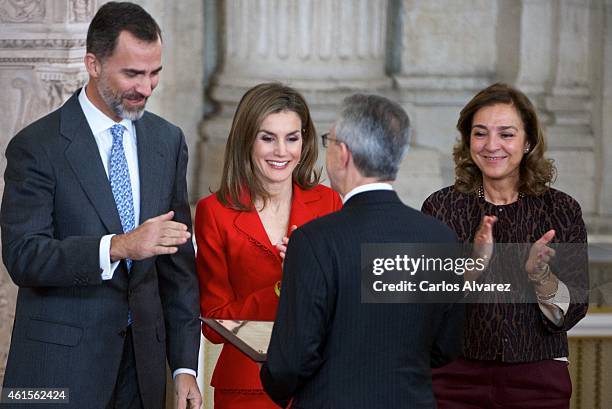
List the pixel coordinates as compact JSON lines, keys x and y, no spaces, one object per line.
{"x":282,"y":246}
{"x":539,"y":257}
{"x":545,"y":283}
{"x":483,"y":246}
{"x":483,"y":240}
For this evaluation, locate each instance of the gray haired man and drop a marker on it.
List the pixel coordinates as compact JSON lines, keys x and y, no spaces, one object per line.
{"x":328,"y":349}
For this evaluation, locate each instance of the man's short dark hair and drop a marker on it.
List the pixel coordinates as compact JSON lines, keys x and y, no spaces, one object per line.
{"x":113,"y":18}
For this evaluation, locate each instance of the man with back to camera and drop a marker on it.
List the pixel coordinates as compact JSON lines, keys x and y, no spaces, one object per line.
{"x":328,"y":349}
{"x":96,"y":234}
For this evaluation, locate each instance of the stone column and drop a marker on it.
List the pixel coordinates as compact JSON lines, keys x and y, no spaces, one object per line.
{"x":448,"y":52}
{"x":448,"y":47}
{"x":524,"y":45}
{"x":42,"y":45}
{"x":548,"y":49}
{"x":525,"y":48}
{"x":179,"y":97}
{"x":605,"y":117}
{"x":569,"y":102}
{"x":326,"y":49}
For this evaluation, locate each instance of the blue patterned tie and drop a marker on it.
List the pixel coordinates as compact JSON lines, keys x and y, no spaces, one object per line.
{"x":119,"y":176}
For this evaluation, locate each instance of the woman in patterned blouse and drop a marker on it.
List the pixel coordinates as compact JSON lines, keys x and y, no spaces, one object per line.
{"x":515,"y":351}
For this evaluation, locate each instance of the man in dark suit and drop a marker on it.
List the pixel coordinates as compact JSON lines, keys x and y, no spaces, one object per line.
{"x":96,"y":234}
{"x":328,"y":349}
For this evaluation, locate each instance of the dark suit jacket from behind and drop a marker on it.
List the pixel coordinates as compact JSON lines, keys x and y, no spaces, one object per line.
{"x":330,"y":350}
{"x":70,"y":325}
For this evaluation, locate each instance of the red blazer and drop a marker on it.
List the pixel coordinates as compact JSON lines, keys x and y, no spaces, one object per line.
{"x":238,"y":267}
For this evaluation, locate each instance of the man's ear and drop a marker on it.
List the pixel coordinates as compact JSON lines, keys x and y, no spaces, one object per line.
{"x":345,"y":154}
{"x":93,"y":66}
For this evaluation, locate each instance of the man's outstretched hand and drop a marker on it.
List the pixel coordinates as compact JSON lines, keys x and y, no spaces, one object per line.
{"x":156,"y":236}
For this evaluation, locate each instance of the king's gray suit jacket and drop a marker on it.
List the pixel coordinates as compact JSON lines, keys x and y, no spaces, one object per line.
{"x":70,"y":325}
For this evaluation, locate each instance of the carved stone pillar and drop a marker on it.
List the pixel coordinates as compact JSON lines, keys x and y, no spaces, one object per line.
{"x":605,"y":116}
{"x":549,"y":49}
{"x":569,"y":102}
{"x":448,"y":48}
{"x":524,"y":47}
{"x":179,"y":95}
{"x":447,"y":54}
{"x":301,"y":43}
{"x":524,"y":44}
{"x":41,"y":51}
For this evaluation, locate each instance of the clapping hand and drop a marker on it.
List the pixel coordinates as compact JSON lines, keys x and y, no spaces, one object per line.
{"x":539,"y":256}
{"x":483,"y":247}
{"x":483,"y":240}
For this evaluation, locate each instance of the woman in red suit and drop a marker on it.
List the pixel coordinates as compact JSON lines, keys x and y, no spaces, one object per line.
{"x":268,"y":186}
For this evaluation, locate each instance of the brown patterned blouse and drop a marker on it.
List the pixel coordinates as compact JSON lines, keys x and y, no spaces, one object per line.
{"x":513,"y":332}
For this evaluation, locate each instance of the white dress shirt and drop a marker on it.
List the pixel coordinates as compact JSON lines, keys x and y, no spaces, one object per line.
{"x":366,"y":188}
{"x":100,"y":125}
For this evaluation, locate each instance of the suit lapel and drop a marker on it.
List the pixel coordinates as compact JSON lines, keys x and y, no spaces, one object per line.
{"x":84,"y":158}
{"x":149,"y":168}
{"x":301,"y":212}
{"x":250,"y":224}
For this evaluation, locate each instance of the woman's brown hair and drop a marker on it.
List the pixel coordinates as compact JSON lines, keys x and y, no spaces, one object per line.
{"x":536,"y":172}
{"x":240,"y":182}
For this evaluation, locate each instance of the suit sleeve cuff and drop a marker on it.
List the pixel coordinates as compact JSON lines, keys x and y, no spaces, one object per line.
{"x":184,"y":370}
{"x":108,"y":268}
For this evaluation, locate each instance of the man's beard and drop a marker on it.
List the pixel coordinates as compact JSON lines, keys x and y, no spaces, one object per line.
{"x":114,"y":101}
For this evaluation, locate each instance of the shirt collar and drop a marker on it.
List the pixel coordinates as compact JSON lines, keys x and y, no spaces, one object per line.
{"x":98,"y":121}
{"x":366,"y":188}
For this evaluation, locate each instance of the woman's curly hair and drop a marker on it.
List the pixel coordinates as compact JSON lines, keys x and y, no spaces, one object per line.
{"x":536,"y":172}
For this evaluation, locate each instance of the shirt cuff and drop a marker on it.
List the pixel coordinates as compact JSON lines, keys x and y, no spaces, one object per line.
{"x":556,"y":308}
{"x":108,"y":268}
{"x":562,"y":298}
{"x":184,"y":370}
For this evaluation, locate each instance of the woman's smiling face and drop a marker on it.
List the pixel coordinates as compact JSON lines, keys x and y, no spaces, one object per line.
{"x":498,"y":142}
{"x":278,"y":147}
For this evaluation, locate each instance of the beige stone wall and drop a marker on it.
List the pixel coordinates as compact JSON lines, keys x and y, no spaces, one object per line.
{"x":40,"y":66}
{"x":430,"y":55}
